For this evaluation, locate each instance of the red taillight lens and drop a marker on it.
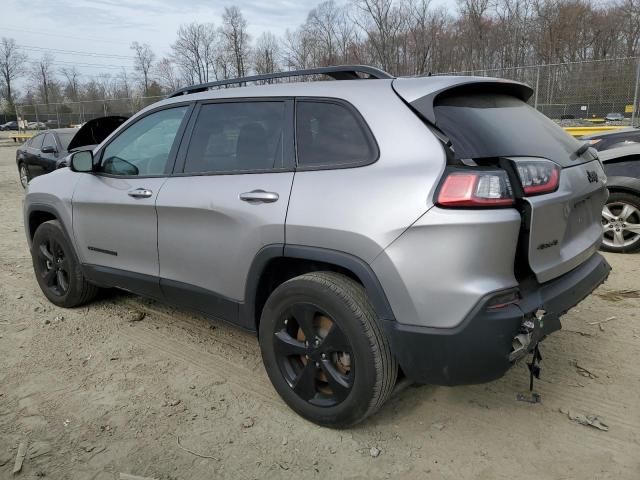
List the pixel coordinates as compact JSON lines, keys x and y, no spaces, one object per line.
{"x":475,"y":189}
{"x":538,"y":177}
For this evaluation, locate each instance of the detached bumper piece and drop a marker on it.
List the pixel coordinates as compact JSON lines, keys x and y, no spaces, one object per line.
{"x":485,"y":345}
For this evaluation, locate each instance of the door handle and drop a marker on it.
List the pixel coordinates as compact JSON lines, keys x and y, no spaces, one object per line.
{"x":259,"y":196}
{"x":140,"y":193}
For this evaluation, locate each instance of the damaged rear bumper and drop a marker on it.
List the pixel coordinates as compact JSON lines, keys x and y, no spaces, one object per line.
{"x":485,"y":345}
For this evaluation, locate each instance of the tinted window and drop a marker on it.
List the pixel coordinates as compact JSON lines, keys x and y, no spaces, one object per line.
{"x":49,"y":141}
{"x":144,"y":147}
{"x":36,"y":142}
{"x":329,"y":134}
{"x":491,"y":125}
{"x":65,"y":138}
{"x":237,"y":136}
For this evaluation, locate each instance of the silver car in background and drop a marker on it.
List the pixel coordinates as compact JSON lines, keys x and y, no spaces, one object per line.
{"x":368,"y":229}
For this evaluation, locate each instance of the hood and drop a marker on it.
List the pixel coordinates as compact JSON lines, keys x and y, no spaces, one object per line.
{"x":95,"y":131}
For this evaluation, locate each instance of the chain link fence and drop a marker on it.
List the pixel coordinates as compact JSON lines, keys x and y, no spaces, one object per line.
{"x":572,"y":93}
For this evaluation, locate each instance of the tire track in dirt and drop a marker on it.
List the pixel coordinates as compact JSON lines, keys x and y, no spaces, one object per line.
{"x":209,"y":364}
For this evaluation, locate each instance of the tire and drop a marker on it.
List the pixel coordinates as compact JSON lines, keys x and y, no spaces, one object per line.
{"x":24,"y":175}
{"x":57,"y":269}
{"x":621,"y":223}
{"x":349,"y":371}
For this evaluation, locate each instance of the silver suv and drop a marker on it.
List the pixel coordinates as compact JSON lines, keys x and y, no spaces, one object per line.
{"x":368,"y":229}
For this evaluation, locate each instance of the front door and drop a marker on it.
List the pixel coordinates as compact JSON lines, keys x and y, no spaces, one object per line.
{"x":114,"y":216}
{"x":227,"y":200}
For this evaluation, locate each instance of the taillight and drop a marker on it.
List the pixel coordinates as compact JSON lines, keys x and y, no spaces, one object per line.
{"x":483,"y":188}
{"x":538,"y":176}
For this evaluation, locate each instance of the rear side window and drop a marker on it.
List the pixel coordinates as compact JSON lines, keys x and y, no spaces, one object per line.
{"x":331,"y":135}
{"x":36,"y":142}
{"x":237,"y":136}
{"x":495,"y":125}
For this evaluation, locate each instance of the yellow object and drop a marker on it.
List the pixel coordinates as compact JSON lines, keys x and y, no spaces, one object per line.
{"x":628,"y":109}
{"x":581,"y":131}
{"x":23,"y":137}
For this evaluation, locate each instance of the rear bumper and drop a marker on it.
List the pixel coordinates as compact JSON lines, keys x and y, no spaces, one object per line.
{"x":478,"y":350}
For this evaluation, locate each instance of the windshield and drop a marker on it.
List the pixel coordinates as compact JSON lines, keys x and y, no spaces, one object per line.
{"x":65,"y":138}
{"x":493,"y":125}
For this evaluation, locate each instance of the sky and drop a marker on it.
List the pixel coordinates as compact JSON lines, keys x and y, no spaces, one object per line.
{"x":95,"y":35}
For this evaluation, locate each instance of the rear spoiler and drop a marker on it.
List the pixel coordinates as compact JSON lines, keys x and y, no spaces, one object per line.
{"x":422,"y":92}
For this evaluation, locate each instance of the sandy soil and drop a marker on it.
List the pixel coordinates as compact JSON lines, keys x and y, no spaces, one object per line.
{"x":176,"y":396}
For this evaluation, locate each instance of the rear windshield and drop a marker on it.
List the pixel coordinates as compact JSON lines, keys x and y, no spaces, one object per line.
{"x":494,"y":125}
{"x":65,"y":138}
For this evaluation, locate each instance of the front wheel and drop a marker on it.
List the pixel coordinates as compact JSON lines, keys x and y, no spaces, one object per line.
{"x":621,"y":223}
{"x":57,"y":270}
{"x":324,"y":349}
{"x":25,"y":176}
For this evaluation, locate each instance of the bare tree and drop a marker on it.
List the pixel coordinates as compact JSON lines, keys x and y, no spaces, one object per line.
{"x":266,"y":54}
{"x":236,"y":39}
{"x":12,"y":62}
{"x":167,"y":75}
{"x":43,"y":77}
{"x":143,"y":61}
{"x":194,"y":51}
{"x":72,"y":82}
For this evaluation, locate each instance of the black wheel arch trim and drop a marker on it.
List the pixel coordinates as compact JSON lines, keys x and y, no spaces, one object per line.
{"x":50,"y":209}
{"x":356,"y":265}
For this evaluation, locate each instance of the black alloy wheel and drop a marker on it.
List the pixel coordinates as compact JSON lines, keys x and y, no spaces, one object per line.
{"x":314,"y":355}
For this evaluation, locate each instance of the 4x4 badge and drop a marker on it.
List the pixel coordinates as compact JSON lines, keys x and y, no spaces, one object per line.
{"x":592,"y":176}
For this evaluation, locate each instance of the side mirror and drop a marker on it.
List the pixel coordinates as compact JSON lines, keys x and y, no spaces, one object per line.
{"x":48,"y":149}
{"x":82,"y":161}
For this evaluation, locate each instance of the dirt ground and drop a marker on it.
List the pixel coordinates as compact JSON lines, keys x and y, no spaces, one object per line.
{"x":176,"y":396}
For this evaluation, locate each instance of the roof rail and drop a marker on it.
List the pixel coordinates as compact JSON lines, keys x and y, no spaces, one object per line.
{"x":339,"y":72}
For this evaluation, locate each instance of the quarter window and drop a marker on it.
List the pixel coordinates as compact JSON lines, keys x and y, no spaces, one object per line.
{"x":237,"y":136}
{"x":144,"y":147}
{"x":330,"y":135}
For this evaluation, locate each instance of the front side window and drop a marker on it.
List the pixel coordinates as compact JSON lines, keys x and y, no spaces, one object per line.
{"x":144,"y":148}
{"x":237,"y":136}
{"x":330,"y":135}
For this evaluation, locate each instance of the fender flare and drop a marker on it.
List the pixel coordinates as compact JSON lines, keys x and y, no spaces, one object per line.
{"x":628,"y":184}
{"x":356,"y":265}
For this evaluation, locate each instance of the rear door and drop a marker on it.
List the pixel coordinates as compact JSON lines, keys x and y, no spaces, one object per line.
{"x":226,"y":200}
{"x":492,"y":123}
{"x":32,"y":155}
{"x":114,"y":216}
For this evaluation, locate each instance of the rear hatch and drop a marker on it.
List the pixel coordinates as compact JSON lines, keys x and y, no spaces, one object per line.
{"x":487,"y":121}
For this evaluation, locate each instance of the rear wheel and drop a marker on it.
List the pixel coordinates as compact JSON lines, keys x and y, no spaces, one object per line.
{"x":324,"y":350}
{"x":57,"y":270}
{"x":25,"y":176}
{"x":621,"y":223}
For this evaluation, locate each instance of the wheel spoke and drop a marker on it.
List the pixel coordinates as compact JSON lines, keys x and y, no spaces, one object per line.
{"x":627,"y":211}
{"x":338,"y":383}
{"x":305,"y":383}
{"x":606,"y":213}
{"x":287,"y":345}
{"x":45,"y":251}
{"x":303,"y":315}
{"x":62,"y":281}
{"x":633,"y":227}
{"x":49,"y":277}
{"x":335,"y":341}
{"x":618,"y":238}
